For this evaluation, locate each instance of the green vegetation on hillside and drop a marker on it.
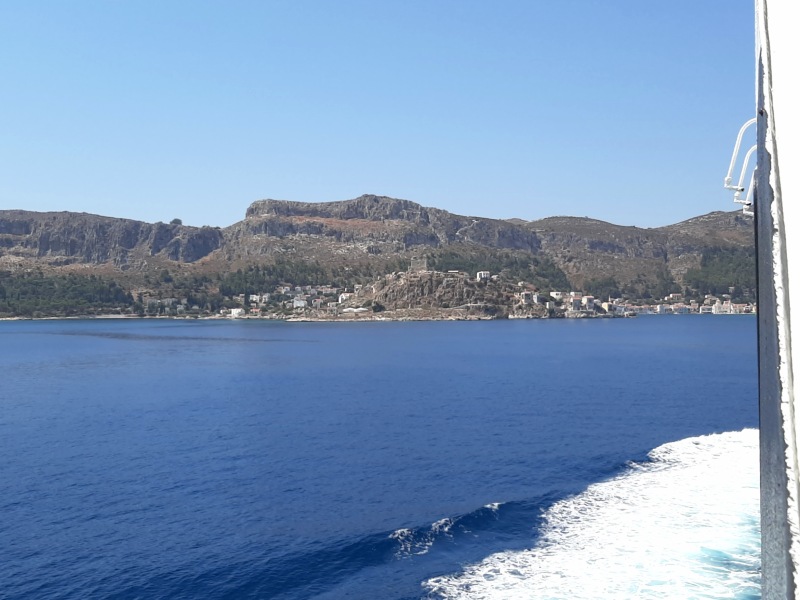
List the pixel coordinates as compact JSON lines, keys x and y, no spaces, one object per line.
{"x":603,"y":288}
{"x":264,"y":278}
{"x":540,"y":271}
{"x":34,"y":294}
{"x":722,"y":269}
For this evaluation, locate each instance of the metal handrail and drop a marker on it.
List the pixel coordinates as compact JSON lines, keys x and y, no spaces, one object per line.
{"x":740,"y":187}
{"x":729,"y":176}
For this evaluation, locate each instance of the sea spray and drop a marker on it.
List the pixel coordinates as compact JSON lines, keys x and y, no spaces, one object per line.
{"x":683,"y":524}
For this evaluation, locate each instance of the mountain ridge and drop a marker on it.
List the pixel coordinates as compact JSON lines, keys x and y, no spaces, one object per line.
{"x":371,"y":233}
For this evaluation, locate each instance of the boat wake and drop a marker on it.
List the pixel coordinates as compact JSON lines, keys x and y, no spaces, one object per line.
{"x":683,"y":524}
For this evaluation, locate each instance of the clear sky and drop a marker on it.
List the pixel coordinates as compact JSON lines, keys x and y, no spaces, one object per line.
{"x":623,"y":110}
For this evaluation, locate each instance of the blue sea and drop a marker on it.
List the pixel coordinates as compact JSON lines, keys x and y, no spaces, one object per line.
{"x":506,"y":459}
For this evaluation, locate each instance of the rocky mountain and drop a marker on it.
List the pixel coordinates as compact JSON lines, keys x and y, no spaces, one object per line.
{"x":461,"y":295}
{"x":64,"y":238}
{"x":374,"y":233}
{"x":372,"y":224}
{"x":588,"y":249}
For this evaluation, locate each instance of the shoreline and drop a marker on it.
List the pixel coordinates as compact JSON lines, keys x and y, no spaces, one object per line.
{"x":350,"y":318}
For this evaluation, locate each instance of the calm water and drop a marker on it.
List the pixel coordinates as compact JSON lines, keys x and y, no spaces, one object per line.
{"x":169,"y":459}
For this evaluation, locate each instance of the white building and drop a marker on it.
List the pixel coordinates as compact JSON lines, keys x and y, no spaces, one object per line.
{"x":483,"y":276}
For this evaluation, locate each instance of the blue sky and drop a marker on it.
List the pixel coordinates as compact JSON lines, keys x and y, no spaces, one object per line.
{"x":621,"y":110}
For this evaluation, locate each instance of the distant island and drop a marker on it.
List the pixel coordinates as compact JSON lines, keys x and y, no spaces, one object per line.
{"x":372,"y":257}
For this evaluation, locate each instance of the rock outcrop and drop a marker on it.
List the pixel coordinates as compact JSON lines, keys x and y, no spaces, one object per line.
{"x":591,"y":249}
{"x":60,"y":238}
{"x":370,"y":230}
{"x":388,"y":224}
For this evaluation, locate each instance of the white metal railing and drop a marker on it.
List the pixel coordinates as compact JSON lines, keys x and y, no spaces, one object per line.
{"x":747,"y":203}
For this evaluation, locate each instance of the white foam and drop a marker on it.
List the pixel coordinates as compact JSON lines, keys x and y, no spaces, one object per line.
{"x":442,"y":526}
{"x":411,"y":543}
{"x":682,"y":525}
{"x":405,"y":539}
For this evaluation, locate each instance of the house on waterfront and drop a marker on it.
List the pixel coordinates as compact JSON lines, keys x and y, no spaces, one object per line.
{"x":613,"y":308}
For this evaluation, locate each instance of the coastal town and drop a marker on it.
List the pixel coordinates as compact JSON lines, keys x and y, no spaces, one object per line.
{"x":371,"y":258}
{"x":432,"y":295}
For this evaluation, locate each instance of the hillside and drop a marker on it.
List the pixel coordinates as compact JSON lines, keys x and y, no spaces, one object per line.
{"x":588,"y":249}
{"x":362,"y":239}
{"x":64,"y":238}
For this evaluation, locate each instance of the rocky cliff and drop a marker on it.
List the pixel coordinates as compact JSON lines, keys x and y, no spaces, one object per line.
{"x":62,"y":238}
{"x":589,"y":249}
{"x":372,"y":224}
{"x":456,"y":292}
{"x":371,"y":231}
